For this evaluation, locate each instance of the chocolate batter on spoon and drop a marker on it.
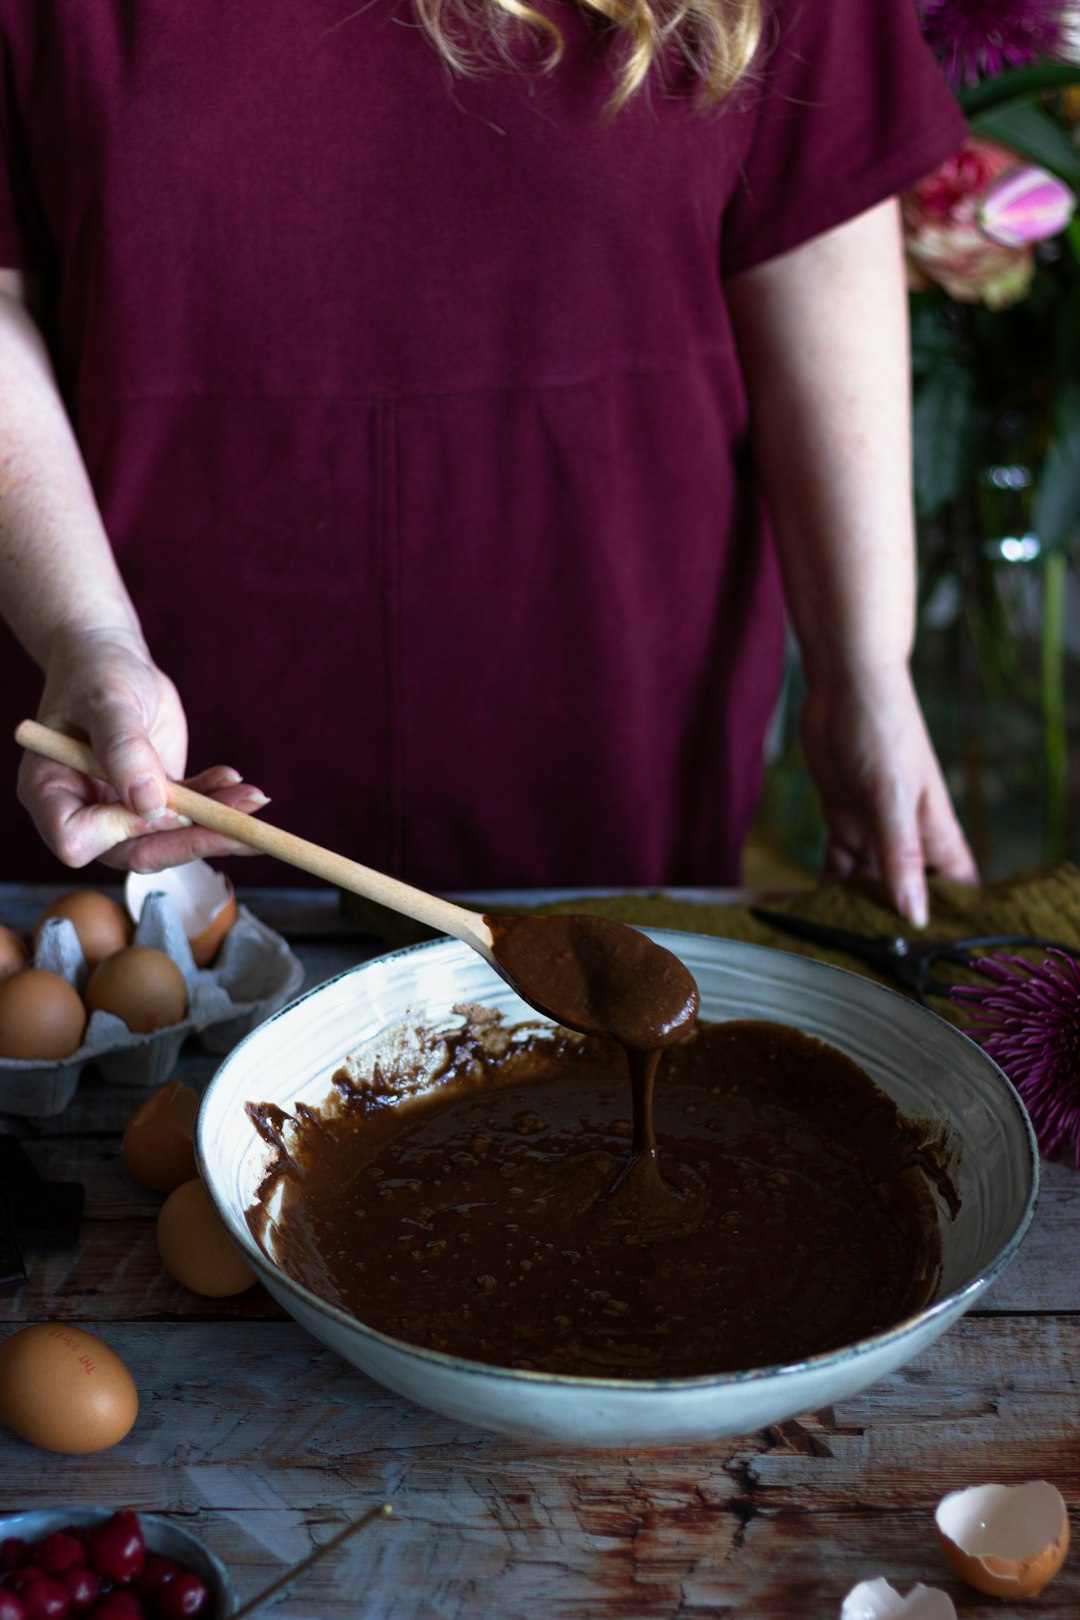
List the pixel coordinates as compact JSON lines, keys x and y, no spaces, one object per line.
{"x":597,"y":976}
{"x":602,"y":977}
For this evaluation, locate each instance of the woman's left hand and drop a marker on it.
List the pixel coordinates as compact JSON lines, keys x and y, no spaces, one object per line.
{"x":886,"y":806}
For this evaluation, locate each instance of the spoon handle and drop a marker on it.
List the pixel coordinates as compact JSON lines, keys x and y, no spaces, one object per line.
{"x":388,"y":891}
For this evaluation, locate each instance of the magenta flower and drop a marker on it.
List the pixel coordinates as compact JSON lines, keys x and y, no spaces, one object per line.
{"x":1028,"y":1020}
{"x":976,"y":39}
{"x":1026,"y":205}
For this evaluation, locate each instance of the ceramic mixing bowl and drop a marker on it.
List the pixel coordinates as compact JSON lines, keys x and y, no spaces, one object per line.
{"x":930,"y":1070}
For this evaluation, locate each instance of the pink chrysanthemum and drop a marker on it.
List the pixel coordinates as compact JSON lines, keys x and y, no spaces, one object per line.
{"x":1028,"y":1020}
{"x":977,"y":39}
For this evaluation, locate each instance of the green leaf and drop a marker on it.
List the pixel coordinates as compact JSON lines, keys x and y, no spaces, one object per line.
{"x":1055,"y":513}
{"x":1019,"y":83}
{"x":1033,"y":134}
{"x":942,"y":430}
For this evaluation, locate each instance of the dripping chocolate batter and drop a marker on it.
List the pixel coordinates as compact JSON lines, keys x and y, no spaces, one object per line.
{"x":601,"y":977}
{"x":474,"y":1217}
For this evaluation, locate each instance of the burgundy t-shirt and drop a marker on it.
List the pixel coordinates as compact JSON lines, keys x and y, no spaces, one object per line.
{"x":412,"y":406}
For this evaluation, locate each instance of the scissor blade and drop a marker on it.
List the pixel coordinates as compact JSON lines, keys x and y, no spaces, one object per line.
{"x":871,"y":948}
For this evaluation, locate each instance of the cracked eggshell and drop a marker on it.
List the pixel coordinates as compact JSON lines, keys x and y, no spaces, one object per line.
{"x":1006,"y":1540}
{"x":204,"y":899}
{"x":877,"y":1600}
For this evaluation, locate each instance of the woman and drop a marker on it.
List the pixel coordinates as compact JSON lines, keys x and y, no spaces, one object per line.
{"x":431,"y":417}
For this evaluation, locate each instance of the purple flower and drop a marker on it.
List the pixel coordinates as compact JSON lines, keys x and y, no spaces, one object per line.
{"x":1028,"y":1020}
{"x":975,"y":39}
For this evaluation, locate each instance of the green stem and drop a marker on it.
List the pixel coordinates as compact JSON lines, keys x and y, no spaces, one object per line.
{"x":1053,"y":701}
{"x":1072,"y":235}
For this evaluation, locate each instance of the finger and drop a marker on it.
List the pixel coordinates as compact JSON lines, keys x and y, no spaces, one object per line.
{"x":221,"y":782}
{"x":839,"y":862}
{"x":76,"y":817}
{"x":215,"y":777}
{"x":946,"y":849}
{"x":157,"y":850}
{"x":903,"y":863}
{"x":122,"y":746}
{"x":846,"y":851}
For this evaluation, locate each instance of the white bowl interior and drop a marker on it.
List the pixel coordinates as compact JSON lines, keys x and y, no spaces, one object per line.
{"x":929,"y":1069}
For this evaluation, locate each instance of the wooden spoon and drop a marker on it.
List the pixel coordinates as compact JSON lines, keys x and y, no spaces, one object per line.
{"x":590,"y":973}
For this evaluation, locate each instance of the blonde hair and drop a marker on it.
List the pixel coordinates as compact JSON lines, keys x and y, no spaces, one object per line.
{"x":716,"y":38}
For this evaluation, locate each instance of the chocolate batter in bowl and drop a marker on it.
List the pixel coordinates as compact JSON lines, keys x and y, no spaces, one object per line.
{"x":446,"y":1219}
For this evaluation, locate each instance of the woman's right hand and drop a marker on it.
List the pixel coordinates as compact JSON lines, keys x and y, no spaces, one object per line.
{"x":103,"y":686}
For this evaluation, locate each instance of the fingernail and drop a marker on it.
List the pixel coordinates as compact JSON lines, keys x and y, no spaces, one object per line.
{"x":230,"y":777}
{"x":255,"y":799}
{"x":914,"y":906}
{"x":146,"y":799}
{"x":165,"y":820}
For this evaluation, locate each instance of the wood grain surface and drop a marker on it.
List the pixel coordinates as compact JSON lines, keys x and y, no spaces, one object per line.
{"x":266,"y":1444}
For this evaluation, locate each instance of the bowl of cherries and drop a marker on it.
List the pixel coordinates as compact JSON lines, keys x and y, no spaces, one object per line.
{"x":83,"y":1563}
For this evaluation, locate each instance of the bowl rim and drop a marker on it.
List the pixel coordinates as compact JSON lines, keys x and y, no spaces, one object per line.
{"x":950,"y":1305}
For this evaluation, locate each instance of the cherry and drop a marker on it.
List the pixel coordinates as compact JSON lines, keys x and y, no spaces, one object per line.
{"x":59,"y":1551}
{"x":45,"y":1599}
{"x":117,"y":1548}
{"x":81,"y":1585}
{"x":156,"y":1574}
{"x":13,"y":1552}
{"x":24,"y":1575}
{"x":11,"y":1605}
{"x":116,"y":1605}
{"x":184,"y":1598}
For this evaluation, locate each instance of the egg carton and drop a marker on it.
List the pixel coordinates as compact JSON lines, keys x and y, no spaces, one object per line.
{"x":254,"y":974}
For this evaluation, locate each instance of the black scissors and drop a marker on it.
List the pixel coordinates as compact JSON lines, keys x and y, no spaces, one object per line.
{"x":910,"y":962}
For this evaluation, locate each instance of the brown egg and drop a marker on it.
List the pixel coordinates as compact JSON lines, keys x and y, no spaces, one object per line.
{"x":1007,"y":1540}
{"x":195,"y":1247}
{"x":158,"y":1147}
{"x":204,"y":901}
{"x":13,"y":953}
{"x":64,"y":1390}
{"x":41,"y":1016}
{"x":103,"y":926}
{"x":142,"y":986}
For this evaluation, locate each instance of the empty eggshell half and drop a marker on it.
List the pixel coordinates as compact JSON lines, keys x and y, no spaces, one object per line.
{"x":203,"y":897}
{"x":877,"y":1600}
{"x":1007,"y":1540}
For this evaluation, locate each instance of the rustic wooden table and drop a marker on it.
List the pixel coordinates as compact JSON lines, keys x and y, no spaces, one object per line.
{"x":266,"y":1444}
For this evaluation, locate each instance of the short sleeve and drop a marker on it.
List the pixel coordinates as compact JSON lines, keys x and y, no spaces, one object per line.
{"x":851,"y":108}
{"x":23,"y":237}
